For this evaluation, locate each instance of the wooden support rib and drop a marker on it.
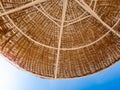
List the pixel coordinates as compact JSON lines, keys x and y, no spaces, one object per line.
{"x":49,"y":17}
{"x":36,"y":42}
{"x":65,"y":2}
{"x":95,"y":3}
{"x":89,"y":10}
{"x":97,"y":40}
{"x":22,"y":7}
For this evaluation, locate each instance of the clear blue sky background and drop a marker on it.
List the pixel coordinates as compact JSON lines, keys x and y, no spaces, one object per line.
{"x":12,"y":78}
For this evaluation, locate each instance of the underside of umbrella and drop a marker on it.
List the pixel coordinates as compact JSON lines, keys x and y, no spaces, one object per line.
{"x":60,"y":39}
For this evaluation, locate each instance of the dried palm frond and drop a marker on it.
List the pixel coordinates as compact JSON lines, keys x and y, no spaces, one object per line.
{"x":60,"y":38}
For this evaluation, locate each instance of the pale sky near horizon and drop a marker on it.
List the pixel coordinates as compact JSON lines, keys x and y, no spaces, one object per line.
{"x":12,"y":78}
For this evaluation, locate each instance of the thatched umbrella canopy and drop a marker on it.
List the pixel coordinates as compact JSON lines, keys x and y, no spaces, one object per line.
{"x":60,"y":38}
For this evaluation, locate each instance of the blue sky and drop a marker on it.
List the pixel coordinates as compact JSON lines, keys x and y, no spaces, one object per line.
{"x":12,"y":78}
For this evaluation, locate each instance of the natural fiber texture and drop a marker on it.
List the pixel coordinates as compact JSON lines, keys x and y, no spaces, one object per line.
{"x":60,"y":38}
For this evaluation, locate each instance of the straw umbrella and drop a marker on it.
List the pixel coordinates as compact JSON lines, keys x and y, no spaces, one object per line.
{"x":60,"y":39}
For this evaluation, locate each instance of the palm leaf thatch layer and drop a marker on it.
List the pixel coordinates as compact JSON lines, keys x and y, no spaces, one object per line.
{"x":59,"y":39}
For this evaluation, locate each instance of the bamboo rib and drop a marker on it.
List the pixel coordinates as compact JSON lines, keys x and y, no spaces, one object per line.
{"x":65,"y":2}
{"x":87,"y":8}
{"x":22,"y":7}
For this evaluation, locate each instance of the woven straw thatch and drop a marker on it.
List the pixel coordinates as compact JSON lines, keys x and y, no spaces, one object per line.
{"x":60,"y":38}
